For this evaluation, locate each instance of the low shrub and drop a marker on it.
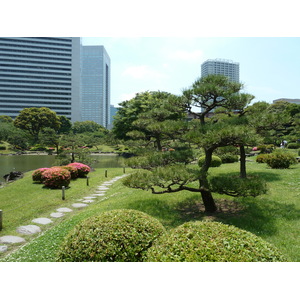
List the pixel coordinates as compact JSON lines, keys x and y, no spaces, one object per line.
{"x":261,"y":158}
{"x":238,"y":187}
{"x":37,"y":175}
{"x":211,"y":242}
{"x":113,"y":236}
{"x":82,"y":169}
{"x":38,"y":147}
{"x":215,"y":161}
{"x":73,"y":171}
{"x":266,"y":148}
{"x":56,"y":178}
{"x":293,"y":146}
{"x":228,"y":158}
{"x":281,"y":160}
{"x":2,"y":147}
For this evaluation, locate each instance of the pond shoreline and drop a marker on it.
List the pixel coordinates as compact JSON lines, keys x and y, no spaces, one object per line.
{"x":45,"y":153}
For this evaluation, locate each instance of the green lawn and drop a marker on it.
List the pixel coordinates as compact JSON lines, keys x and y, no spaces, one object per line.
{"x":275,"y":216}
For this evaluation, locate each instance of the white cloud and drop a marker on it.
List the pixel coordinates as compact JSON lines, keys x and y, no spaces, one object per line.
{"x":142,"y":72}
{"x":196,"y":55}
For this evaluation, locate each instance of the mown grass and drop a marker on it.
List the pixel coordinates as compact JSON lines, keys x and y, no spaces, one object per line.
{"x":275,"y":216}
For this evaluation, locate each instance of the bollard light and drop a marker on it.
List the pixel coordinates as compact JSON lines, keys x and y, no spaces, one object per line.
{"x":87,"y":181}
{"x":0,"y":219}
{"x":63,"y":193}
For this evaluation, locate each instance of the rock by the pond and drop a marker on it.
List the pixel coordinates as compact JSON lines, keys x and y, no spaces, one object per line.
{"x":57,"y":215}
{"x":29,"y":229}
{"x":64,"y":209}
{"x":42,"y":221}
{"x":79,"y":205}
{"x":11,"y":239}
{"x":3,"y":249}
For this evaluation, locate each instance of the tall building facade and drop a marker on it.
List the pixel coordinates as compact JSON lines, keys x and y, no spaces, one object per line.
{"x":40,"y":72}
{"x":95,"y":85}
{"x":223,"y":67}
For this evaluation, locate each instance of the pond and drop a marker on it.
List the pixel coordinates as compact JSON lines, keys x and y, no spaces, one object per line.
{"x":24,"y":163}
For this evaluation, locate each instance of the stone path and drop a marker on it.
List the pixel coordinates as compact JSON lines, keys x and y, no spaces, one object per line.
{"x":59,"y":213}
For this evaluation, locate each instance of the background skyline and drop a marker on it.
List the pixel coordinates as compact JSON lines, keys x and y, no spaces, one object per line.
{"x":269,"y":66}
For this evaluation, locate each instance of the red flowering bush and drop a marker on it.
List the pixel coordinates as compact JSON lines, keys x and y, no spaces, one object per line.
{"x":56,"y":177}
{"x":83,"y":169}
{"x":37,"y":175}
{"x":73,"y":170}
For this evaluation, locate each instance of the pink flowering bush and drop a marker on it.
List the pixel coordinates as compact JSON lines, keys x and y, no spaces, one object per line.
{"x":73,"y":170}
{"x":37,"y":175}
{"x":56,"y":177}
{"x":83,"y":169}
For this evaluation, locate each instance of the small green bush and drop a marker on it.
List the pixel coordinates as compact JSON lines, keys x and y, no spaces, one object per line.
{"x":211,"y":242}
{"x":293,"y":146}
{"x":215,"y":161}
{"x":114,"y":236}
{"x":261,"y":158}
{"x":266,"y":148}
{"x":228,"y":158}
{"x":281,"y":160}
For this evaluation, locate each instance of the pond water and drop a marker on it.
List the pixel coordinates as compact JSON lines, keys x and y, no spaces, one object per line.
{"x":24,"y":163}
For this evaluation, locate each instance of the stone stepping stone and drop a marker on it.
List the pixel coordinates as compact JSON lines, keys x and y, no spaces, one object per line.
{"x":88,"y":201}
{"x":89,"y":198}
{"x":97,"y":195}
{"x":43,"y":221}
{"x":64,"y":209}
{"x":102,"y":188}
{"x":57,"y":215}
{"x":11,"y":239}
{"x":79,"y":205}
{"x":29,"y":229}
{"x":3,"y":249}
{"x":106,"y":184}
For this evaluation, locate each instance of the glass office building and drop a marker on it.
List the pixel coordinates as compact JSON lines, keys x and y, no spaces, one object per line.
{"x":40,"y":72}
{"x":223,"y":67}
{"x":95,"y":85}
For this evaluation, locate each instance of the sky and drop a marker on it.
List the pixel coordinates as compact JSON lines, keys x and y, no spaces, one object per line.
{"x":269,"y":66}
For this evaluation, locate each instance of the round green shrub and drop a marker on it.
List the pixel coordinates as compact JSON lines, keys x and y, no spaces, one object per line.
{"x":56,"y":178}
{"x":215,"y":161}
{"x":293,"y":146}
{"x":261,"y":158}
{"x":37,"y":175}
{"x":228,"y":158}
{"x":281,"y":160}
{"x":211,"y":242}
{"x":114,"y":236}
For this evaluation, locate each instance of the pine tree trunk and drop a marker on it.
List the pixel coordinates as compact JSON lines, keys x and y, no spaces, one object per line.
{"x":243,"y":173}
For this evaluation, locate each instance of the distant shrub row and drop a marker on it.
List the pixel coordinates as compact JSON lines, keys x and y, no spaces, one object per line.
{"x":129,"y":235}
{"x":57,"y":177}
{"x":279,"y":159}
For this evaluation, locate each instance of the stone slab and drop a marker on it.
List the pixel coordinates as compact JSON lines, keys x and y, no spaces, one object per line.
{"x":3,"y":249}
{"x":57,"y":215}
{"x":29,"y":229}
{"x":100,"y":194}
{"x":102,"y":188}
{"x":11,"y":239}
{"x":79,"y":205}
{"x":43,"y":221}
{"x":89,"y":198}
{"x":64,"y":209}
{"x":88,"y":201}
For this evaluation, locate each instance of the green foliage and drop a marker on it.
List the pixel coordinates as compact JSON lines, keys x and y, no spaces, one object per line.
{"x":280,"y":159}
{"x":37,"y":175}
{"x":229,"y":158}
{"x":122,"y":235}
{"x":34,"y":119}
{"x":215,"y":161}
{"x":87,"y":126}
{"x":211,"y":242}
{"x":56,"y":178}
{"x":235,"y":186}
{"x":262,"y":158}
{"x":293,"y":145}
{"x":38,"y":147}
{"x":266,"y":148}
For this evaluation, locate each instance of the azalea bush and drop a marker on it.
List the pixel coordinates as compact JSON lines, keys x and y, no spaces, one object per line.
{"x":56,"y":177}
{"x":82,"y":169}
{"x":37,"y":175}
{"x":73,"y":170}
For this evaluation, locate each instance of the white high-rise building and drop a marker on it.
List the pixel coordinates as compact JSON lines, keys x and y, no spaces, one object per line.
{"x":95,"y":85}
{"x":223,"y":67}
{"x":40,"y":72}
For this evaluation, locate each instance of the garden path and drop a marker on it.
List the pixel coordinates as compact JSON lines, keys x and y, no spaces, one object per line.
{"x":6,"y":241}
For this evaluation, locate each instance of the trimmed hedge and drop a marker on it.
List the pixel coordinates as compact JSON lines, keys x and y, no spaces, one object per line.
{"x":280,"y":160}
{"x":211,"y":242}
{"x":82,"y":169}
{"x":37,"y":175}
{"x":56,"y":178}
{"x":215,"y":161}
{"x":114,"y":236}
